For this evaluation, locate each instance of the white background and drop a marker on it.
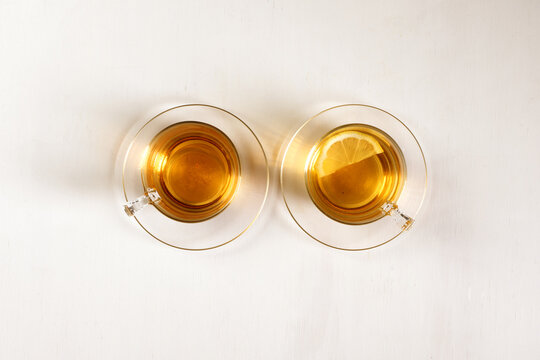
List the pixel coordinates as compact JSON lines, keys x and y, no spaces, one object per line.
{"x":78,"y":280}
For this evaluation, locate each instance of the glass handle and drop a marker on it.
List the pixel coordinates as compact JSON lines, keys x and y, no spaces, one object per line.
{"x":150,"y":197}
{"x":392,"y":210}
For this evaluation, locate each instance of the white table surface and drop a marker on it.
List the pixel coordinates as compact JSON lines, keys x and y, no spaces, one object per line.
{"x":78,"y":280}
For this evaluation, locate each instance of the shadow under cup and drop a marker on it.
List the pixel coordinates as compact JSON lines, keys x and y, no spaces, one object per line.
{"x":353,"y":177}
{"x":203,"y":172}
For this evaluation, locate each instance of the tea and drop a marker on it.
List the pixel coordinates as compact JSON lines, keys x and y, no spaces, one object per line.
{"x":353,"y":171}
{"x":195,"y":169}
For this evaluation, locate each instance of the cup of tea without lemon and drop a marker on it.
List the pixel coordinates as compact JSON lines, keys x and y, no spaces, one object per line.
{"x":195,"y":177}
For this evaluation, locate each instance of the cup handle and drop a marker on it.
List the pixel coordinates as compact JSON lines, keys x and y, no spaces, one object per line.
{"x":392,"y":210}
{"x":150,"y":197}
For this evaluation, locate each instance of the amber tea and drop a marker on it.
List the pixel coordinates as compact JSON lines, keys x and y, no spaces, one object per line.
{"x":353,"y":171}
{"x":194,"y":167}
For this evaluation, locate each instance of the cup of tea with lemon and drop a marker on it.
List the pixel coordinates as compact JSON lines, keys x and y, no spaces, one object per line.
{"x":353,"y":177}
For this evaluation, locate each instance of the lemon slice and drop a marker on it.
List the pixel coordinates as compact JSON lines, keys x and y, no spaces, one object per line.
{"x":345,"y":148}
